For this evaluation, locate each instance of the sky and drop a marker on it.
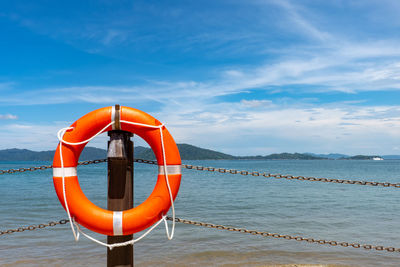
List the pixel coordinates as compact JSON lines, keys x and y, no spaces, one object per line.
{"x":247,"y":77}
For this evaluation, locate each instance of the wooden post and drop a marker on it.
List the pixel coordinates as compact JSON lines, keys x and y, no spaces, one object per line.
{"x":120,"y":192}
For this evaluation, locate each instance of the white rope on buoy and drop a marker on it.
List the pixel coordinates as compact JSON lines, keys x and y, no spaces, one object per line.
{"x":78,"y":230}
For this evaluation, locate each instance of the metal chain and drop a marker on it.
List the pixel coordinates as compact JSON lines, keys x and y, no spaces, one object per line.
{"x":146,"y":161}
{"x":232,"y":229}
{"x":33,"y":227}
{"x":44,"y":167}
{"x":227,"y":171}
{"x":287,"y":237}
{"x":222,"y":227}
{"x":95,"y":161}
{"x":278,"y":175}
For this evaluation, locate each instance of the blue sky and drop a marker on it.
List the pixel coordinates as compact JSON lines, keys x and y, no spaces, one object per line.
{"x":242,"y":77}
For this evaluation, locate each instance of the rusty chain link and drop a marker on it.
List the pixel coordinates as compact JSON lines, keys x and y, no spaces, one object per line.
{"x":44,"y":167}
{"x":145,"y":161}
{"x":278,"y":175}
{"x":95,"y":161}
{"x":228,"y":171}
{"x":231,"y":229}
{"x":222,"y":227}
{"x":287,"y":237}
{"x":33,"y":227}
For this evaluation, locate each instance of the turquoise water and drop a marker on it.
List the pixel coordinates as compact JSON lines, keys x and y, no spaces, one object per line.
{"x":351,"y":213}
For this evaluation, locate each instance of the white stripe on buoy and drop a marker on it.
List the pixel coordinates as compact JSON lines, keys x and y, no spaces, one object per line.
{"x":113,"y":116}
{"x":117,"y":223}
{"x":68,"y":172}
{"x":171,"y":169}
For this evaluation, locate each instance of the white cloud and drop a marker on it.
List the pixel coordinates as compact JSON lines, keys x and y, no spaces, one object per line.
{"x":299,"y":23}
{"x":6,"y":85}
{"x":249,"y":127}
{"x":256,"y":103}
{"x":356,"y":130}
{"x":233,"y":73}
{"x":328,"y":61}
{"x":8,"y":117}
{"x":114,"y":36}
{"x":38,"y":137}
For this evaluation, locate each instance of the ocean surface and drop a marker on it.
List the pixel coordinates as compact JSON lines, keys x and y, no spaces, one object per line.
{"x":351,"y":213}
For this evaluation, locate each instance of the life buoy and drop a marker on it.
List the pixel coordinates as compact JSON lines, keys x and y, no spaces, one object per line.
{"x":129,"y":221}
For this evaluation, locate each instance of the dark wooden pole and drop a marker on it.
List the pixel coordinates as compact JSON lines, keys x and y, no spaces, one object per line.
{"x":120,"y":192}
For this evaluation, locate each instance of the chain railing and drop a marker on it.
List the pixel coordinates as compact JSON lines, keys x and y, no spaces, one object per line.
{"x":223,"y":227}
{"x":33,"y":227}
{"x":227,"y":171}
{"x":287,"y":237}
{"x":278,"y":175}
{"x":44,"y":167}
{"x":231,"y":229}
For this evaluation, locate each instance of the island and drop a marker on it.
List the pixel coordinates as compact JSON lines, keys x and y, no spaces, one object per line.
{"x":187,"y":152}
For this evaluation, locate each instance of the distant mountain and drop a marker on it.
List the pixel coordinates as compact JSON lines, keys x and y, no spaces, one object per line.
{"x":292,"y":156}
{"x":190,"y":152}
{"x":360,"y":157}
{"x":143,"y":152}
{"x":89,"y":153}
{"x":16,"y":154}
{"x":187,"y":152}
{"x":284,"y":156}
{"x":391,"y":157}
{"x":357,"y":157}
{"x":329,"y":156}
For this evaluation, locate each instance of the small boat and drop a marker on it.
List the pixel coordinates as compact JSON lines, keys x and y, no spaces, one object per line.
{"x":377,"y":158}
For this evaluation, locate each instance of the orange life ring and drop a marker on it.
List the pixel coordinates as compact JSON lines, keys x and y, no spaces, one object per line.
{"x":117,"y":222}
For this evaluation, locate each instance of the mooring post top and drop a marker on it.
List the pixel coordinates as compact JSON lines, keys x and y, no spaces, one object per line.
{"x":116,"y":149}
{"x":116,"y":117}
{"x":119,"y":134}
{"x":116,"y":146}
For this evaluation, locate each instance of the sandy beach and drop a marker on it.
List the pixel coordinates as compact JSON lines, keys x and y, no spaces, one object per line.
{"x":306,"y":265}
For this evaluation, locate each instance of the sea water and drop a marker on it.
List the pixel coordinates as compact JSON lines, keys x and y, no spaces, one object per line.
{"x":340,"y":212}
